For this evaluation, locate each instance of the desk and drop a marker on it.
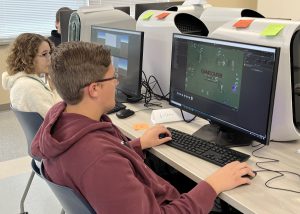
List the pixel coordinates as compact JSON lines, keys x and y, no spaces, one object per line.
{"x":254,"y":198}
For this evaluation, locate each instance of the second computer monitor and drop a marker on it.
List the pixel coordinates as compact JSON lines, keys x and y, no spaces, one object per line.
{"x":229,"y":83}
{"x":127,"y":53}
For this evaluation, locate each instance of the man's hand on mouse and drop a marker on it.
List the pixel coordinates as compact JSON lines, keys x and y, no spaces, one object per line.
{"x":230,"y":176}
{"x":151,"y":136}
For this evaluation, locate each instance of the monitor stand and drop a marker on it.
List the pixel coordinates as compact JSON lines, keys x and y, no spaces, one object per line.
{"x":120,"y":97}
{"x":123,"y":98}
{"x":222,"y":136}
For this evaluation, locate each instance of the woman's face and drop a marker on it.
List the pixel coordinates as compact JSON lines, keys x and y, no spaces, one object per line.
{"x":42,"y":59}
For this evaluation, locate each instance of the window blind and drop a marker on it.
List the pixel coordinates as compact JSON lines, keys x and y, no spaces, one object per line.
{"x":130,"y":3}
{"x":37,"y":16}
{"x":123,"y":2}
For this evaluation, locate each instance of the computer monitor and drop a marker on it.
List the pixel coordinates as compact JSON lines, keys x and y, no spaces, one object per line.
{"x":230,"y":84}
{"x":127,"y":54}
{"x":140,"y":8}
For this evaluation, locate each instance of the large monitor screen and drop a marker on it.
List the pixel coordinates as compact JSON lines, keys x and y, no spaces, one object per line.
{"x":127,"y":53}
{"x":228,"y":83}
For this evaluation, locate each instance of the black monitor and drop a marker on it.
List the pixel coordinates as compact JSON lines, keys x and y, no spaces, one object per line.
{"x":230,"y":84}
{"x":140,"y":8}
{"x":127,"y":54}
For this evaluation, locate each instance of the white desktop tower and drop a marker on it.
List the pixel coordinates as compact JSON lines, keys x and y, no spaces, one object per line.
{"x":182,"y":19}
{"x":286,"y":112}
{"x":81,"y":21}
{"x":195,"y":10}
{"x":158,"y":35}
{"x":214,"y":17}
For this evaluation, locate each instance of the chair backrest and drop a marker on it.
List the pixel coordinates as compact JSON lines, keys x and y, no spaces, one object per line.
{"x":71,"y":201}
{"x":30,"y":123}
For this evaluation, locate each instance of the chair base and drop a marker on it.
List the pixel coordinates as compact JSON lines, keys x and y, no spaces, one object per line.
{"x":26,"y":192}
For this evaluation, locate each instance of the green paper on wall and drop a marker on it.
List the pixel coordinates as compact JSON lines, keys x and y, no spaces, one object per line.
{"x":272,"y":30}
{"x":147,"y":15}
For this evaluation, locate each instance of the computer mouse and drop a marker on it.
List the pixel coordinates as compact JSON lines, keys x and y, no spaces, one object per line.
{"x":124,"y":113}
{"x":250,"y":177}
{"x":162,"y":135}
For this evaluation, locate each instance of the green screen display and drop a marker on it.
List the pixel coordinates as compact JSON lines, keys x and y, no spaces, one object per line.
{"x":215,"y":73}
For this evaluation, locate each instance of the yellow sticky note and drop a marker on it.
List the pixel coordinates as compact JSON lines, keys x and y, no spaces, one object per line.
{"x":147,"y":15}
{"x":140,"y":126}
{"x":272,"y":30}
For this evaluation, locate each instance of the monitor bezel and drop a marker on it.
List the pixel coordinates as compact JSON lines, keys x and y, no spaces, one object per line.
{"x":131,"y":32}
{"x":219,"y":121}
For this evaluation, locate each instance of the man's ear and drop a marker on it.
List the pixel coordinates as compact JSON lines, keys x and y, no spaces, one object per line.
{"x":94,"y":90}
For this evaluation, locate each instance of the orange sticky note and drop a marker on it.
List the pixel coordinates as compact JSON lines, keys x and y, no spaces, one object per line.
{"x":162,"y":15}
{"x":140,"y":126}
{"x":243,"y":23}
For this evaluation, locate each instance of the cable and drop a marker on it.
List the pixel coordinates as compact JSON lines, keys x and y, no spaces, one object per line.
{"x":279,"y":172}
{"x":149,"y":95}
{"x":187,"y":121}
{"x":145,"y":109}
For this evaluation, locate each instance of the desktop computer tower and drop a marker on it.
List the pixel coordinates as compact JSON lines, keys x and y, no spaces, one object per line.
{"x":214,"y":17}
{"x":198,"y":19}
{"x":158,"y":42}
{"x":81,"y":21}
{"x":195,"y":10}
{"x":285,"y":124}
{"x":64,"y":24}
{"x":140,"y":8}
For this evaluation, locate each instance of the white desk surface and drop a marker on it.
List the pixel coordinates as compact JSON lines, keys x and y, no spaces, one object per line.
{"x":254,"y":198}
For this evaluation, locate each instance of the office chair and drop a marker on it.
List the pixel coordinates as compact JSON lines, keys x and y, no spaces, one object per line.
{"x":71,"y":201}
{"x":30,"y":123}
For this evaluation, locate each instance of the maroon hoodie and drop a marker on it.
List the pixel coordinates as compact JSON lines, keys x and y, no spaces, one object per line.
{"x":91,"y":157}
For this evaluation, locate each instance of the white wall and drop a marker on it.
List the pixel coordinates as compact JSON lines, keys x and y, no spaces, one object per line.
{"x":279,"y":8}
{"x":250,"y":4}
{"x":4,"y":95}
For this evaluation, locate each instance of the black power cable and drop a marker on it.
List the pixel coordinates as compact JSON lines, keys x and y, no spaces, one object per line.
{"x":280,"y":173}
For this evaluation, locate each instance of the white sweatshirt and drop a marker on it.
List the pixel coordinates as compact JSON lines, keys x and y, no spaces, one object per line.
{"x":29,"y":93}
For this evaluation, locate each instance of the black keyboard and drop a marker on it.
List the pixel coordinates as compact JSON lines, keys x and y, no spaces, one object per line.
{"x":205,"y":150}
{"x":118,"y":107}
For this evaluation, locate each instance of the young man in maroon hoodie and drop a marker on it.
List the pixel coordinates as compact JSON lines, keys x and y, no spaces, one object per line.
{"x":82,"y":149}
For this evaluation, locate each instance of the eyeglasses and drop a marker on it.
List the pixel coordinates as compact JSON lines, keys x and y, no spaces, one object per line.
{"x":46,"y":55}
{"x":115,"y":77}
